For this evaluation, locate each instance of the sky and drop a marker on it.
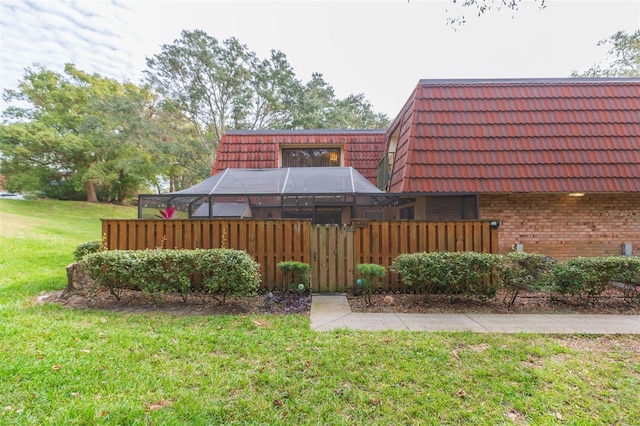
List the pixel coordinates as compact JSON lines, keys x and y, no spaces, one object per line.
{"x":378,"y":48}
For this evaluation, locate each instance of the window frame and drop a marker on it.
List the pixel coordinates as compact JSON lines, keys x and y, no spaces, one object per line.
{"x":314,"y":157}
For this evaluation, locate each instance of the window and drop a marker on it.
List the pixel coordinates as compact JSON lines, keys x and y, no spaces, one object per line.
{"x":311,"y":157}
{"x":407,"y":213}
{"x":455,"y":207}
{"x":384,"y":171}
{"x":385,"y":166}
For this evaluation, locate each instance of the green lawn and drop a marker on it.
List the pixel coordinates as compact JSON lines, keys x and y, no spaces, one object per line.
{"x":63,"y":366}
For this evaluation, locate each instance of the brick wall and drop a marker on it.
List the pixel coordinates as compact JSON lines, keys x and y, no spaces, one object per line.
{"x":563,"y":227}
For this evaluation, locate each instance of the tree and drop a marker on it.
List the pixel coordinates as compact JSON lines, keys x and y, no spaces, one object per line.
{"x":355,"y":112}
{"x":181,"y":160}
{"x":81,"y":135}
{"x":118,"y":136}
{"x":318,"y":108}
{"x":623,"y":57}
{"x":314,"y":104}
{"x":275,"y":90}
{"x":220,"y":86}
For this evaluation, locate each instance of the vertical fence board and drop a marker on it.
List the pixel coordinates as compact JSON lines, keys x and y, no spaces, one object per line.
{"x":341,"y":258}
{"x":313,"y":261}
{"x":468,"y":236}
{"x":366,"y":246}
{"x":323,"y":257}
{"x":459,"y":236}
{"x":432,"y":235}
{"x":486,"y":236}
{"x":332,"y":258}
{"x":493,"y":239}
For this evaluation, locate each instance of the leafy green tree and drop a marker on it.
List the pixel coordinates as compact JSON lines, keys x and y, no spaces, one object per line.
{"x":220,"y":86}
{"x":314,"y":105}
{"x":181,"y":156}
{"x":79,"y":135}
{"x":119,"y":148}
{"x":318,"y":108}
{"x":275,"y":90}
{"x":355,"y":112}
{"x":34,"y":157}
{"x":623,"y":57}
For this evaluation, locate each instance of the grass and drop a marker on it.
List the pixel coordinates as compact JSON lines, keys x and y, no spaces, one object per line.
{"x":63,"y":366}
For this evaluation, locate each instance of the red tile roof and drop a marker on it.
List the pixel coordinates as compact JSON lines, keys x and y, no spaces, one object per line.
{"x":259,"y":149}
{"x":552,"y":135}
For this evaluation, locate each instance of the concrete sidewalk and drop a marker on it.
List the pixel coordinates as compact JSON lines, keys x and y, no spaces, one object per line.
{"x":329,"y":312}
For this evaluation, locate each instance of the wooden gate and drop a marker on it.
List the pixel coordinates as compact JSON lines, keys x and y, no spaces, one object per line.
{"x":332,"y":258}
{"x":332,"y":251}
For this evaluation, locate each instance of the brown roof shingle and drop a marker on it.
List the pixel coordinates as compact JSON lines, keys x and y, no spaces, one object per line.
{"x":551,"y":135}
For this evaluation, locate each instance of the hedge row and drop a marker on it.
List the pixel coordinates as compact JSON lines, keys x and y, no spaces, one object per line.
{"x":219,"y":272}
{"x":477,"y":275}
{"x":222,"y":272}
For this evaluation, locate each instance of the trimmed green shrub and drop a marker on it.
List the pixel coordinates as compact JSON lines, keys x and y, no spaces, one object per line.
{"x":87,"y":248}
{"x":418,"y":270}
{"x":455,"y":274}
{"x":111,"y":269}
{"x":588,"y":277}
{"x":294,"y":273}
{"x":629,"y":275}
{"x":370,"y":273}
{"x":228,"y":272}
{"x":521,"y":271}
{"x":219,"y":272}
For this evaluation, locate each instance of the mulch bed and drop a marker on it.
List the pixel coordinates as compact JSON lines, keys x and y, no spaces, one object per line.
{"x":612,"y":301}
{"x":195,"y":304}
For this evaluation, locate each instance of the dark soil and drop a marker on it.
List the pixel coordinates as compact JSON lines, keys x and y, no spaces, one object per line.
{"x":612,"y":301}
{"x":195,"y":304}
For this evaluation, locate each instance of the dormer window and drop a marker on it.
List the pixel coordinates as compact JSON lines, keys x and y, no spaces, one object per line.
{"x":311,"y":157}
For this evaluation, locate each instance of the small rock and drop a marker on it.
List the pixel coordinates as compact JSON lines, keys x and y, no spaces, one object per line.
{"x":389,"y":300}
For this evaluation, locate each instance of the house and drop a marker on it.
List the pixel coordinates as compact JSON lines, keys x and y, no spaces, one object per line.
{"x":556,"y":161}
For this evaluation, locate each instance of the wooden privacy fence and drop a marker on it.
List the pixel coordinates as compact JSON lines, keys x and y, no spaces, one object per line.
{"x":333,"y":251}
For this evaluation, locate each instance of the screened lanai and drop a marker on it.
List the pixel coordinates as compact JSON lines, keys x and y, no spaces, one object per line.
{"x":322,"y":194}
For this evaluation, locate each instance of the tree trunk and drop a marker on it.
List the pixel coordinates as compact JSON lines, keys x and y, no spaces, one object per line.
{"x":92,"y":197}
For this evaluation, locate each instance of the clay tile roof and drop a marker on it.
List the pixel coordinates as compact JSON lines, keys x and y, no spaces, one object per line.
{"x":259,"y":149}
{"x":549,"y":135}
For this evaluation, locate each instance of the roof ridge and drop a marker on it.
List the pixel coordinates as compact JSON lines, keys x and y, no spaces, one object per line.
{"x":304,"y":131}
{"x":524,"y":81}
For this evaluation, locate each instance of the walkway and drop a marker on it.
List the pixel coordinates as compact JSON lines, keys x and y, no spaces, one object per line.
{"x":329,"y":312}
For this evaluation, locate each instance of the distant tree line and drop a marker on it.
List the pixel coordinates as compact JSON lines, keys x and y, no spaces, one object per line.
{"x":74,"y":135}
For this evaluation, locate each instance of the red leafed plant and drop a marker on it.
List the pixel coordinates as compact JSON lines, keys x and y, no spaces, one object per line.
{"x":167,"y":213}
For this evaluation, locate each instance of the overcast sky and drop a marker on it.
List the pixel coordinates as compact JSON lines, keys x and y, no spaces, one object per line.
{"x":381,"y":49}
